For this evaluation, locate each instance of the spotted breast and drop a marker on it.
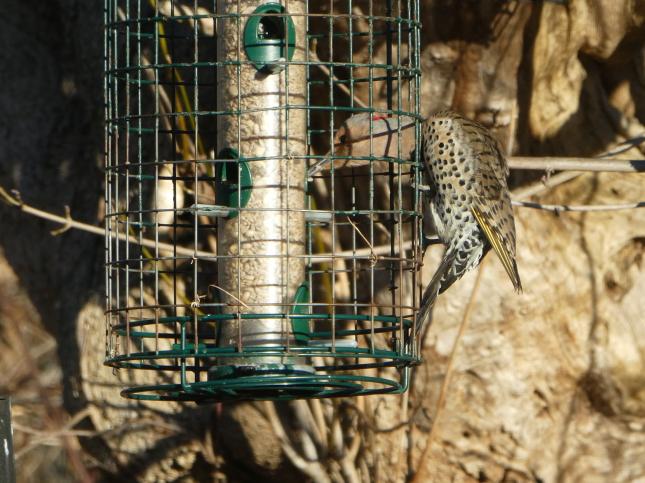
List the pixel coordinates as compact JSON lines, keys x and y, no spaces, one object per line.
{"x":469,"y":201}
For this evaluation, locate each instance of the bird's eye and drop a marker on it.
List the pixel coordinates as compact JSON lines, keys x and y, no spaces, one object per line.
{"x":343,"y":139}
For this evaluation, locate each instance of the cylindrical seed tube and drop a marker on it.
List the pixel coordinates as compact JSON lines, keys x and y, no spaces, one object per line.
{"x":266,"y":236}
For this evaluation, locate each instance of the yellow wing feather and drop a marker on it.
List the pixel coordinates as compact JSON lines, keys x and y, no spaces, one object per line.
{"x":498,"y":245}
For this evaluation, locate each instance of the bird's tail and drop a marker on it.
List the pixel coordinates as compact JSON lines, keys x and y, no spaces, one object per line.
{"x":432,"y":290}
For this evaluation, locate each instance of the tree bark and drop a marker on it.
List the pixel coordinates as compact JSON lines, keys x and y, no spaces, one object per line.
{"x":546,"y":386}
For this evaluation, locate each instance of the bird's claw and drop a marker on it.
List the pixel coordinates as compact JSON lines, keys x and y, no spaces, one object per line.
{"x":426,"y":241}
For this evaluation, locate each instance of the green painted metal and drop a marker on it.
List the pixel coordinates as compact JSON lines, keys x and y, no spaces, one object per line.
{"x":180,"y":343}
{"x":282,"y":386}
{"x":233,"y":182}
{"x":269,"y":37}
{"x":383,"y":319}
{"x":300,"y":325}
{"x":260,"y":381}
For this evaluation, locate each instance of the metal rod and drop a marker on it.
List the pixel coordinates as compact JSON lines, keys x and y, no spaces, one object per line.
{"x":7,"y":466}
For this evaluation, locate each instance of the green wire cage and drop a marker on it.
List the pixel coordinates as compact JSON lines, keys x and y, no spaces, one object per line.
{"x":233,"y":269}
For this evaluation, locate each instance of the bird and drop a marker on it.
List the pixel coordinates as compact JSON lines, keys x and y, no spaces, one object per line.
{"x":468,"y":201}
{"x":354,"y":145}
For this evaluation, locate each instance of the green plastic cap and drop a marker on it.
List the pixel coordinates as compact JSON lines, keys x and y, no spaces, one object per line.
{"x":269,"y":37}
{"x":233,"y":182}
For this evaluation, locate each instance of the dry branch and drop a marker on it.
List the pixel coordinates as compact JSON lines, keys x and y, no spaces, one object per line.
{"x":370,"y":252}
{"x":68,"y":222}
{"x":577,"y":164}
{"x":579,"y":208}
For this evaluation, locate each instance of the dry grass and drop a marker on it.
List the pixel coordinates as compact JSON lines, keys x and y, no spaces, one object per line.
{"x":46,"y":447}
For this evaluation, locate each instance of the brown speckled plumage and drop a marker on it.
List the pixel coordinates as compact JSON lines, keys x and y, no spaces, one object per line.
{"x":469,"y":200}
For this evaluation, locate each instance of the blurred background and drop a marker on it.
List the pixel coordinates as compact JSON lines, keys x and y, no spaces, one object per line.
{"x":546,"y":386}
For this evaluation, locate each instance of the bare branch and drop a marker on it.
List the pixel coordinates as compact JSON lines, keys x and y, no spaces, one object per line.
{"x":548,"y":183}
{"x":68,"y":222}
{"x":577,"y":164}
{"x":578,"y":208}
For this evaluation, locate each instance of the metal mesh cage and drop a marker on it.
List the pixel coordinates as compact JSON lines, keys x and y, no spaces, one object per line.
{"x":232,"y":271}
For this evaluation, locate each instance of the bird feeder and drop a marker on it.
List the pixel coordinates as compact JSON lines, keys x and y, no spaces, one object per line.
{"x":234,"y":270}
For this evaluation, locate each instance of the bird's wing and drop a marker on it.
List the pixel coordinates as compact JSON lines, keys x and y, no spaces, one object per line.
{"x":500,"y":244}
{"x":492,"y":205}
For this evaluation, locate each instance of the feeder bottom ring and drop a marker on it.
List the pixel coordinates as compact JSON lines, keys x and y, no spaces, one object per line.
{"x":289,"y":384}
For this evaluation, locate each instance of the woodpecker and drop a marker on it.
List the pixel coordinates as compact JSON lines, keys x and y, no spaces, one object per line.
{"x":354,"y":145}
{"x":466,"y":195}
{"x":469,"y":201}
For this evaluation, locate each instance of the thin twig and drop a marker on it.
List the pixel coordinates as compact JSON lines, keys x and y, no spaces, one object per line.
{"x":373,"y":257}
{"x":377,"y":429}
{"x":230,"y":295}
{"x":421,"y":476}
{"x":551,"y":182}
{"x":361,"y":234}
{"x":97,"y":230}
{"x":63,"y":229}
{"x":626,"y":145}
{"x":167,"y":247}
{"x":46,"y":435}
{"x":586,"y":208}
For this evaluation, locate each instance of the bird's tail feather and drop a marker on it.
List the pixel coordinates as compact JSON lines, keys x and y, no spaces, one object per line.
{"x":432,"y":290}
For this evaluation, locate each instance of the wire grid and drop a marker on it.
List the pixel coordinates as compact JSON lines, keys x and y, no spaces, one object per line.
{"x":348,"y":328}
